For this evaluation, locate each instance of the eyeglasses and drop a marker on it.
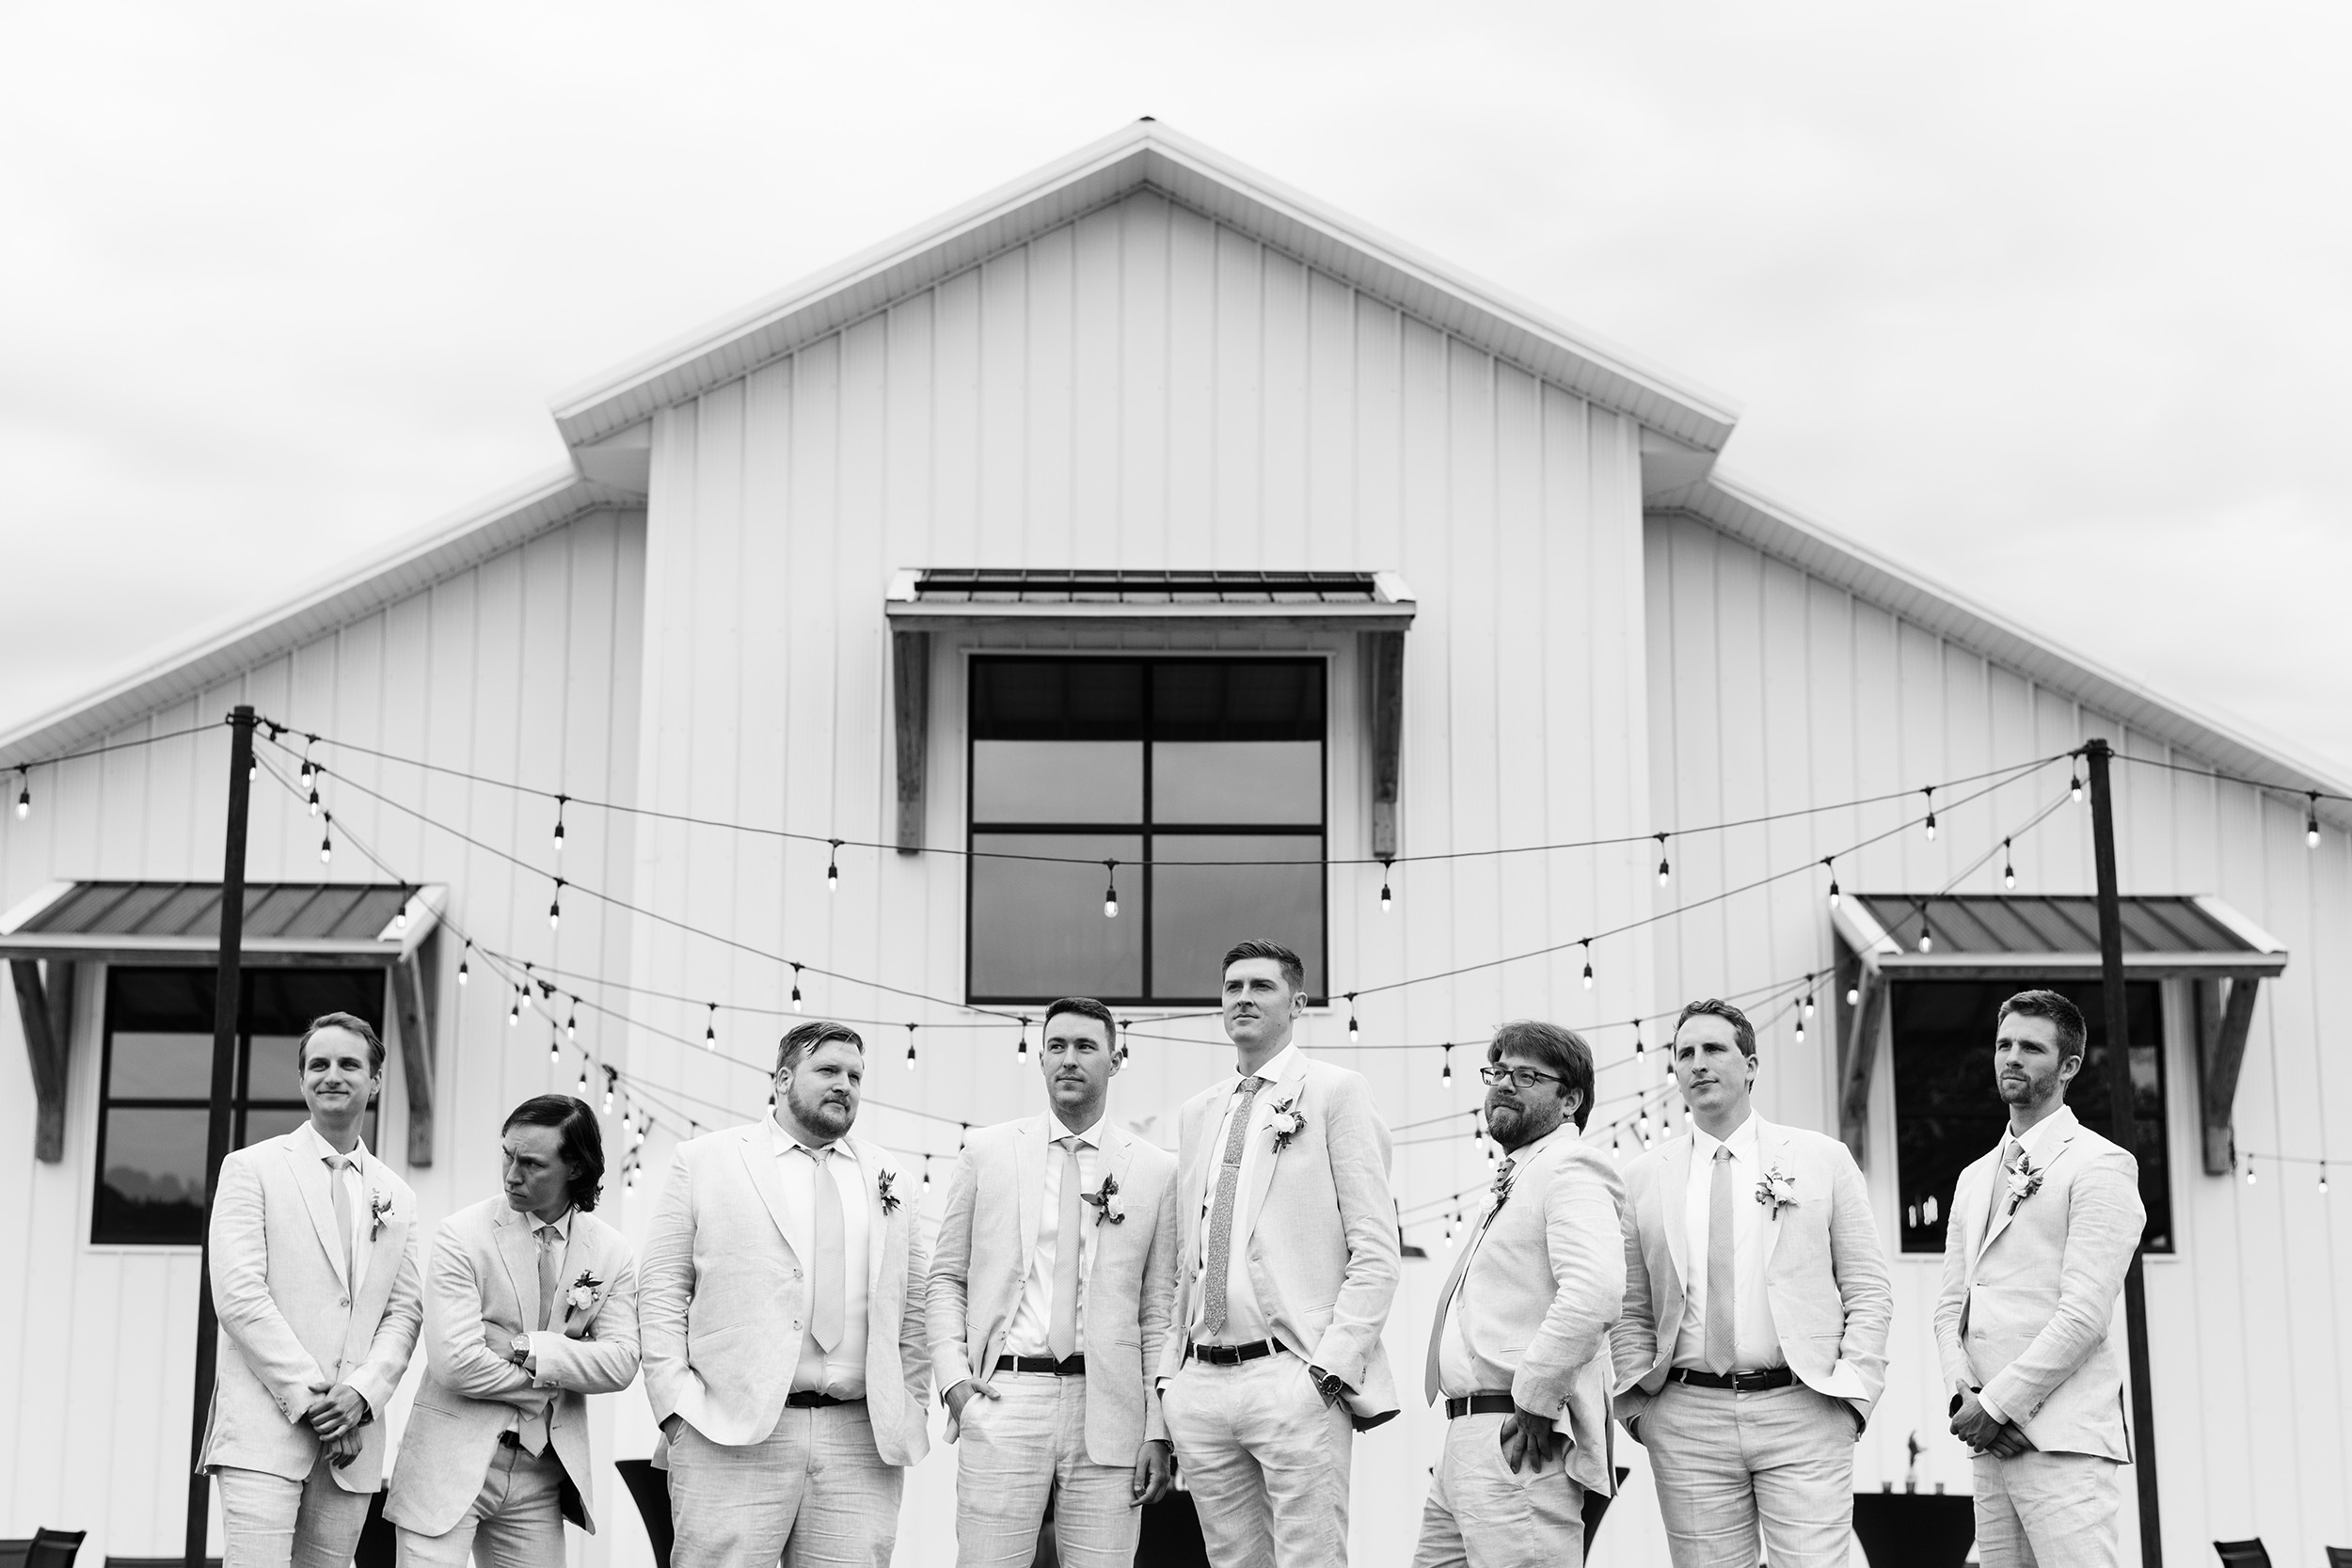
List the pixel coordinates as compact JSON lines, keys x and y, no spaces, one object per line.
{"x":1518,"y":1077}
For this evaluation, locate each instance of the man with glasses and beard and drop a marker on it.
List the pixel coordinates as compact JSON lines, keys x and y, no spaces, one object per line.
{"x":781,"y":1313}
{"x":1518,"y":1348}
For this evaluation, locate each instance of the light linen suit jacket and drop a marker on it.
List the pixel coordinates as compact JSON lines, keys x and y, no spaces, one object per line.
{"x":2029,"y":1288}
{"x":1824,"y":1274}
{"x":1315,"y":1222}
{"x":1539,"y":1291}
{"x":288,"y":1316}
{"x":723,"y":1296}
{"x":481,"y":1289}
{"x":995,"y":1207}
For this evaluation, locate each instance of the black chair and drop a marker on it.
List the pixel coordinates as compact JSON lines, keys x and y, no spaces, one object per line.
{"x":113,"y":1561}
{"x":1171,"y":1534}
{"x":12,"y":1552}
{"x":54,"y":1548}
{"x":1596,"y":1507}
{"x":2243,"y":1554}
{"x":2338,"y":1556}
{"x":650,"y":1489}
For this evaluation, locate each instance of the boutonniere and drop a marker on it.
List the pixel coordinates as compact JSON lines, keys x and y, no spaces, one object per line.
{"x":1503,"y":1185}
{"x":889,"y":1199}
{"x":582,"y":1295}
{"x":1105,"y":1201}
{"x":1286,"y":1121}
{"x":2024,"y":1181}
{"x":1776,"y":1190}
{"x":379,"y":1210}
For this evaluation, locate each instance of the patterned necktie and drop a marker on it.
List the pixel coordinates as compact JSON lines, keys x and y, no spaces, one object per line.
{"x":1220,"y":1255}
{"x":1061,"y":1335}
{"x":829,"y":1287}
{"x":1722,"y":1327}
{"x":336,"y":1165}
{"x":535,"y":1432}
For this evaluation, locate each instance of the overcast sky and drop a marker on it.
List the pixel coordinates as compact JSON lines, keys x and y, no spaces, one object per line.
{"x":2051,"y":303}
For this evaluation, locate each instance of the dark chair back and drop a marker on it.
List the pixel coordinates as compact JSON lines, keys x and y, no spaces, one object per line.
{"x":12,"y":1552}
{"x":1596,"y":1506}
{"x":54,"y":1548}
{"x":650,"y":1489}
{"x":113,"y":1561}
{"x":2243,"y":1554}
{"x":2340,"y":1557}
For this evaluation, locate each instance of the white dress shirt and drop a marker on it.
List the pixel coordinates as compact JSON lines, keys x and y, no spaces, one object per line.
{"x":1033,"y":1314}
{"x":1756,"y":1342}
{"x":1459,"y":1370}
{"x":841,"y":1371}
{"x":2035,"y":1141}
{"x":1245,"y":1320}
{"x":553,"y":1315}
{"x":355,"y":1188}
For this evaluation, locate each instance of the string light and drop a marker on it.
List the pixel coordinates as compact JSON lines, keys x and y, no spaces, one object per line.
{"x":2310,"y":822}
{"x":1926,"y":938}
{"x":1808,"y":995}
{"x":610,"y":1075}
{"x":327,"y":840}
{"x":400,"y":916}
{"x":1639,"y":1048}
{"x":465,"y":964}
{"x":1663,"y":871}
{"x":2323,"y":1178}
{"x":710,"y":1029}
{"x":927,"y":1173}
{"x":1800,"y":1028}
{"x":515,"y":1009}
{"x":571,"y":1024}
{"x":909,"y":1048}
{"x":23,"y":793}
{"x":1853,"y":996}
{"x":1445,"y":1069}
{"x":555,"y":905}
{"x":528,"y":983}
{"x":308,"y":741}
{"x":560,"y":802}
{"x":1110,"y":893}
{"x":1831,"y":861}
{"x":1386,"y":897}
{"x":1021,"y":1046}
{"x":2008,"y":865}
{"x":1353,"y":1034}
{"x":1588,"y":963}
{"x":2073,"y":783}
{"x":1929,"y":793}
{"x":314,"y":799}
{"x":582,"y":1086}
{"x":555,"y":1046}
{"x":1449,"y":1230}
{"x":796,"y":987}
{"x":833,"y":866}
{"x":2249,"y":1170}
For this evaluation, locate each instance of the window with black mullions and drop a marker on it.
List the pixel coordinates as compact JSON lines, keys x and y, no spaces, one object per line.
{"x":156,"y":1081}
{"x":1201,"y":778}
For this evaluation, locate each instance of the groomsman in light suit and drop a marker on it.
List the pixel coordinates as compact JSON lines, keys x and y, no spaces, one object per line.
{"x":781,"y":1310}
{"x":1519,"y":1347}
{"x":2040,"y":1234}
{"x":530,"y":1306}
{"x":1048,"y":1301}
{"x":1286,"y":1266}
{"x":1757,"y":1306}
{"x":313,"y":1258}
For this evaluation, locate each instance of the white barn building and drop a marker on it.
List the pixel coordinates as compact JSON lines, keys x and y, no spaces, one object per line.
{"x":1148,"y":512}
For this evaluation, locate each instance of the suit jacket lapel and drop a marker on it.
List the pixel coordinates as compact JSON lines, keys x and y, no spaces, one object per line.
{"x":312,"y":1178}
{"x":1437,"y":1329}
{"x":1292,"y":1084}
{"x":1772,"y":1153}
{"x":520,"y":1254}
{"x":870,"y":1168}
{"x":759,"y":1160}
{"x":1673,"y":1190}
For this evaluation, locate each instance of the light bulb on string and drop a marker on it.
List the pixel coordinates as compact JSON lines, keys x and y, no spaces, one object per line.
{"x":612,"y":1076}
{"x":1639,"y":1050}
{"x":23,"y":793}
{"x":400,"y":916}
{"x":582,"y":1086}
{"x":710,"y":1028}
{"x":2008,"y":865}
{"x":833,"y":866}
{"x":927,"y":1173}
{"x":571,"y":1024}
{"x":1808,"y":995}
{"x":528,"y":983}
{"x":515,"y":1009}
{"x":909,"y":1048}
{"x":1125,"y":1041}
{"x":1929,"y":793}
{"x":1800,"y":1028}
{"x":465,"y":963}
{"x":1445,"y":1069}
{"x":1386,"y":898}
{"x":1926,"y":938}
{"x":1449,"y":1231}
{"x":559,"y":822}
{"x":1588,"y":963}
{"x":631,"y":1179}
{"x":1831,"y":863}
{"x":2310,"y":822}
{"x":1354,"y":1033}
{"x":555,"y":907}
{"x":1110,"y":893}
{"x":2249,"y":1170}
{"x":2323,"y":1178}
{"x":2075,"y":784}
{"x":308,"y":741}
{"x":1853,"y":996}
{"x":326,"y":839}
{"x":796,"y":987}
{"x":963,"y":1136}
{"x":1663,"y":870}
{"x":555,"y":1048}
{"x":1020,"y":1045}
{"x":314,"y":799}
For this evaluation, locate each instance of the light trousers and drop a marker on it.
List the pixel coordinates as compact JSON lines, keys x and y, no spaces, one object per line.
{"x":517,"y":1520}
{"x":1481,"y":1513}
{"x":2047,"y":1510}
{"x":814,"y":1494}
{"x":1022,"y":1447}
{"x":1266,"y":1461}
{"x":1729,"y":1466}
{"x":269,"y":1522}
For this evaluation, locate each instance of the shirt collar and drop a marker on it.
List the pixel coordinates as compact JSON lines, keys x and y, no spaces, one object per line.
{"x":2036,"y":1137}
{"x":1741,"y":1143}
{"x":1092,"y":1137}
{"x":563,"y":1227}
{"x":1276,"y":1067}
{"x":1525,"y":1152}
{"x":784,"y":1143}
{"x":325,"y":1151}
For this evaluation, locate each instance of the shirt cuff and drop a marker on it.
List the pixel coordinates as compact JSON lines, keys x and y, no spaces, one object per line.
{"x":1984,"y":1401}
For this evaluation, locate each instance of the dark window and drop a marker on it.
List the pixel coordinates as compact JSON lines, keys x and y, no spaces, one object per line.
{"x":157,"y":1082}
{"x":1946,"y":1112}
{"x":1204,"y":778}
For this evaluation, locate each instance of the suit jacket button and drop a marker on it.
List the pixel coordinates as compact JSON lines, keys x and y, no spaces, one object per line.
{"x":343,"y":1303}
{"x":796,"y":1273}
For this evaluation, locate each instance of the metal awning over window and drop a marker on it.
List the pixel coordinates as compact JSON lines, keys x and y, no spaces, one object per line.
{"x":1886,"y":937}
{"x":286,"y":924}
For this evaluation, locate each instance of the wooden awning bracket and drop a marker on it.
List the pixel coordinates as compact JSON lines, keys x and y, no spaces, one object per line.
{"x":412,"y":978}
{"x":44,"y":1004}
{"x":2225,"y":1015}
{"x":1857,"y":1060}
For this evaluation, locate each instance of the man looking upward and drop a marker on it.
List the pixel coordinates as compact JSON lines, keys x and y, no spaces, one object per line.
{"x":1287,"y":1263}
{"x":1048,"y":1302}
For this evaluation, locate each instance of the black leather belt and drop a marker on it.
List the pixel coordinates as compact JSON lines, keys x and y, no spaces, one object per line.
{"x":1233,"y":1355}
{"x":1073,"y":1365}
{"x":1739,"y":1382}
{"x":809,"y":1399}
{"x":1479,"y":1405}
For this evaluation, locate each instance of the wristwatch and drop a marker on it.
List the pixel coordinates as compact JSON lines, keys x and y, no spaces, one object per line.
{"x":1328,"y":1384}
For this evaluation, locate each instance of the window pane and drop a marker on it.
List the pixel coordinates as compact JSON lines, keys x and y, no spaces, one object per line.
{"x":1224,"y":698}
{"x":273,"y":1067}
{"x":1049,"y":699}
{"x":1236,"y":781}
{"x":161,"y":1001}
{"x":270,"y":1121}
{"x":1037,"y":927}
{"x":284,"y":1001}
{"x":1057,"y":781}
{"x":151,"y":1186}
{"x":1199,"y":911}
{"x":160,"y":1066}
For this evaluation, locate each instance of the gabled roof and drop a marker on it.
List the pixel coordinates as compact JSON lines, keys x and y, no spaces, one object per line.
{"x":1145,"y":154}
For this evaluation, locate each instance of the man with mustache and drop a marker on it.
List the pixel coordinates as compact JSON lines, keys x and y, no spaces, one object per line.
{"x":1286,"y":1265}
{"x":1757,"y":1305}
{"x":2040,"y":1234}
{"x":1048,"y":1300}
{"x":781,"y":1315}
{"x":1520,"y":1345}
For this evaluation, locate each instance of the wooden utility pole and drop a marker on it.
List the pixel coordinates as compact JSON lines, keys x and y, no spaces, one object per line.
{"x":227,"y":985}
{"x":2124,"y":1130}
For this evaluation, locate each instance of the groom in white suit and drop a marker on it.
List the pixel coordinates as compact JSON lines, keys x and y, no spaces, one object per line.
{"x":313,"y":1258}
{"x":1757,"y":1306}
{"x":2041,"y":1233}
{"x":780,"y":1310}
{"x":1048,"y":1305}
{"x":530,"y":1306}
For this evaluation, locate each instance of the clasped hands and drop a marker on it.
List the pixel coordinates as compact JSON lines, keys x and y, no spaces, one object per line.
{"x":1975,"y":1426}
{"x":335,"y":1415}
{"x":1155,"y":1461}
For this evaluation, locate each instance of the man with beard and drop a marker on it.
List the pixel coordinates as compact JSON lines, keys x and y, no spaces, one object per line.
{"x":1757,"y":1305}
{"x":1048,"y":1299}
{"x":2040,"y":1234}
{"x":781,"y":1313}
{"x":1519,"y":1346}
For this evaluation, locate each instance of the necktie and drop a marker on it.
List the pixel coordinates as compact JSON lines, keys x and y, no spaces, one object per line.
{"x":534,"y":1432}
{"x":336,"y":1165}
{"x":829,"y":1289}
{"x":2011,"y":1151}
{"x":1453,"y":1284}
{"x":1220,"y":1255}
{"x":1722,"y":1327}
{"x":1061,"y":1335}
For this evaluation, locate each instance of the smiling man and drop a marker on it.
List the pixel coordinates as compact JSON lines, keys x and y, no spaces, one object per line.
{"x":782,"y":1318}
{"x":1047,"y":1307}
{"x":1286,"y":1266}
{"x":1519,"y":1346}
{"x":1757,"y":1305}
{"x":2041,"y":1233}
{"x":315,"y":1277}
{"x":530,"y":1306}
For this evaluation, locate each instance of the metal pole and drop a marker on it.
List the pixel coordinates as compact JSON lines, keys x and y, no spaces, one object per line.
{"x":225,"y":998}
{"x":2124,"y":1132}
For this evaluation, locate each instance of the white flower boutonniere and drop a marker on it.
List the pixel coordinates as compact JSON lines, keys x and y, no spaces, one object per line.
{"x":1108,"y":1205}
{"x":379,"y":1211}
{"x":582,"y":1295}
{"x":2024,"y":1181}
{"x":1286,"y":1121}
{"x":1776,"y":1190}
